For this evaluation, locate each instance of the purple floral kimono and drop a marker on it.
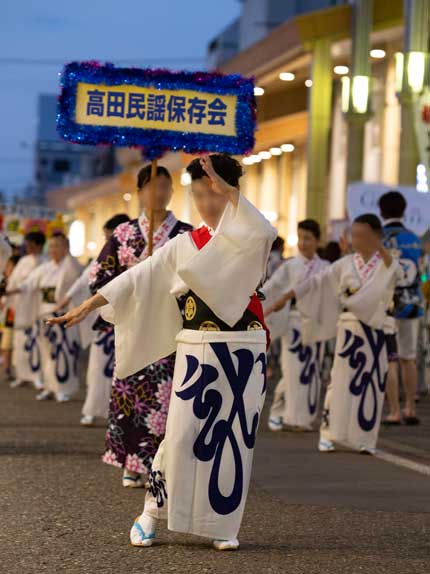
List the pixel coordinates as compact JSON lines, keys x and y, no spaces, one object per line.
{"x":139,"y":404}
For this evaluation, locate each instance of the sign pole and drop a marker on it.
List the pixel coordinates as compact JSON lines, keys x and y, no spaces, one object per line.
{"x":152,"y":197}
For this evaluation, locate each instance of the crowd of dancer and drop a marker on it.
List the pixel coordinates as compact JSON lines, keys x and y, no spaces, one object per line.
{"x":176,"y":342}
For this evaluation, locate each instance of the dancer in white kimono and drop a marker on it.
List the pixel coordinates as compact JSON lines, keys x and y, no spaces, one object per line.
{"x":26,"y":351}
{"x":5,"y":253}
{"x":355,"y":293}
{"x":296,"y":396}
{"x":200,"y":475}
{"x":101,"y":341}
{"x":40,"y":294}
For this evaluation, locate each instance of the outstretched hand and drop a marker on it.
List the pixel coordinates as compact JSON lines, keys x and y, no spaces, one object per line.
{"x":73,"y":317}
{"x":219,"y":185}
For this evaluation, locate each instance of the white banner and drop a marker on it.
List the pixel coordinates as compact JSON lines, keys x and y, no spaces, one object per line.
{"x":363,"y":198}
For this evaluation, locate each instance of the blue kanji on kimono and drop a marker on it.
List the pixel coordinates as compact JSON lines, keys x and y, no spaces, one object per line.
{"x":367,"y":373}
{"x":309,"y":373}
{"x":207,"y":404}
{"x":31,"y":347}
{"x":106,"y":340}
{"x":95,"y":105}
{"x":61,"y":349}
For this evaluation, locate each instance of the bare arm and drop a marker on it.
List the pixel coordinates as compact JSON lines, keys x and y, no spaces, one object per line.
{"x":77,"y":315}
{"x":280,"y":304}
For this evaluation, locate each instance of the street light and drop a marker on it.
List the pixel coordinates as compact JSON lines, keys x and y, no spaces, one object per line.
{"x":360,"y":93}
{"x":416,"y":68}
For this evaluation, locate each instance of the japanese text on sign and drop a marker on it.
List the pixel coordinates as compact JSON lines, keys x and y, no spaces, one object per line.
{"x":176,"y":110}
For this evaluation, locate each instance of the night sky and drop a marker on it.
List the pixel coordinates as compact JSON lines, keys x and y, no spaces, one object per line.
{"x":37,"y":38}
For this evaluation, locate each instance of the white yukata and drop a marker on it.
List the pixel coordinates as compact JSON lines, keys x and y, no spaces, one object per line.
{"x":45,"y":287}
{"x":101,"y":355}
{"x":201,"y":472}
{"x":296,"y":397}
{"x":26,"y":357}
{"x":358,"y":294}
{"x":5,"y":253}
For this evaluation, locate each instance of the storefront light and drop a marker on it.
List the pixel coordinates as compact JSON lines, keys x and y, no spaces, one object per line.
{"x":247,"y":160}
{"x":265,"y":154}
{"x":360,"y":93}
{"x":275,"y":151}
{"x":346,"y":87}
{"x":287,"y":147}
{"x":308,"y":83}
{"x":292,"y":239}
{"x":422,"y":181}
{"x":377,"y":54}
{"x":91,"y":246}
{"x":341,"y":70}
{"x":255,"y":158}
{"x":416,"y":68}
{"x":185,"y":178}
{"x":127,"y":197}
{"x":258,"y":91}
{"x":399,"y":65}
{"x":287,"y":76}
{"x":77,"y":238}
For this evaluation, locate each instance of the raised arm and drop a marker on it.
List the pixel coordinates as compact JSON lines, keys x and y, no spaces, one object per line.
{"x":218,"y":184}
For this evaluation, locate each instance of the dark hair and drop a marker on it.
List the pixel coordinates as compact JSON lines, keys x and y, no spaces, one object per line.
{"x":371,"y":220}
{"x":144,"y":175}
{"x":331,"y":252}
{"x":115,"y":221}
{"x":14,"y":259}
{"x":60,"y":235}
{"x":226,"y":167}
{"x":312,"y":226}
{"x":278,"y":244}
{"x":392,"y":205}
{"x":36,"y":237}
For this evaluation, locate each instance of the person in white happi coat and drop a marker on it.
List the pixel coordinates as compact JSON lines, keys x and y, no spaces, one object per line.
{"x":26,"y":351}
{"x":40,"y":295}
{"x":355,"y":293}
{"x":101,"y":341}
{"x":200,"y":475}
{"x":297,"y":394}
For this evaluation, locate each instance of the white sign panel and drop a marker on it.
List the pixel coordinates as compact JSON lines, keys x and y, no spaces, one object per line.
{"x":364,"y":197}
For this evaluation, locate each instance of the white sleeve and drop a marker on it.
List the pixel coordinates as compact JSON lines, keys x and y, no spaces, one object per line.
{"x":228,"y":269}
{"x":328,"y":278}
{"x":80,"y":288}
{"x":145,"y":313}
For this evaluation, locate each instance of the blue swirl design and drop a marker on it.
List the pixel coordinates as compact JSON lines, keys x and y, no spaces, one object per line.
{"x":106,"y":340}
{"x":309,"y":373}
{"x":157,"y":487}
{"x":207,"y":404}
{"x":31,"y":347}
{"x":368,"y":376}
{"x":63,"y":352}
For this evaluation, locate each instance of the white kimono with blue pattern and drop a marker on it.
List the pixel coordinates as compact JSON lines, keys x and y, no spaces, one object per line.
{"x":200,"y":475}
